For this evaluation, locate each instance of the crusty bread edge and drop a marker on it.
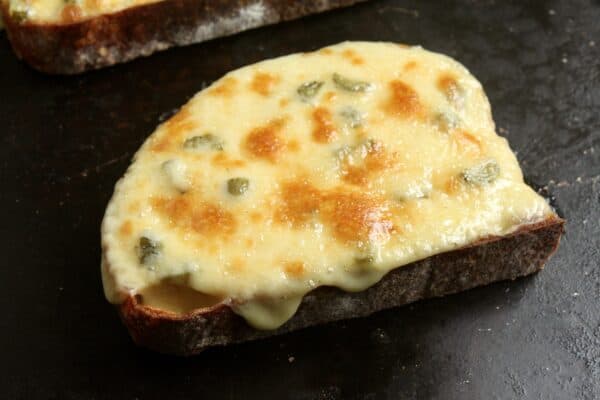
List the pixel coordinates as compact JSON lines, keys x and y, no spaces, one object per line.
{"x":142,"y":30}
{"x":489,"y":260}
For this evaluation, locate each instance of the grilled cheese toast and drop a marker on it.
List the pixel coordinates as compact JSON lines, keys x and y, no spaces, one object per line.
{"x":329,"y":168}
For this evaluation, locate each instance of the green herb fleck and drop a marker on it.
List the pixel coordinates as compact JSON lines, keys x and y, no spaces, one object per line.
{"x":237,"y":186}
{"x":308,"y":90}
{"x":148,"y":250}
{"x":350,"y":85}
{"x":446,"y":122}
{"x":364,"y":261}
{"x":366,"y":256}
{"x":19,"y":16}
{"x":352,"y":117}
{"x":482,"y":174}
{"x":208,"y":140}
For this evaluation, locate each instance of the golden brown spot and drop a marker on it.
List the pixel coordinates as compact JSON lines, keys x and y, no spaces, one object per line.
{"x":403,"y":46}
{"x":404,"y":101}
{"x":294,"y":269}
{"x":326,"y":51}
{"x":351,"y":56}
{"x":300,"y":201}
{"x":353,"y":217}
{"x":355,"y":175}
{"x":263,"y":83}
{"x":357,"y":217}
{"x":467,"y":142}
{"x":174,"y":129}
{"x":249,"y":243}
{"x":447,"y":182}
{"x":126,"y":228}
{"x":71,"y":13}
{"x":264,"y":142}
{"x":451,"y":186}
{"x":210,"y":217}
{"x":225,"y":88}
{"x":410,"y":66}
{"x":221,"y":159}
{"x":283,"y":103}
{"x":324,"y":128}
{"x":329,"y":97}
{"x":378,"y":159}
{"x":446,"y":82}
{"x":449,"y":86}
{"x":187,"y":212}
{"x":180,"y":117}
{"x":375,"y":161}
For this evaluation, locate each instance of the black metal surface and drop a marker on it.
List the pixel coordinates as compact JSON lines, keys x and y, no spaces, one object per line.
{"x":66,"y":140}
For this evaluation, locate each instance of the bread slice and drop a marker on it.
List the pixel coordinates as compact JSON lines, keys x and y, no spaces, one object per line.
{"x":317,"y":187}
{"x":80,"y":35}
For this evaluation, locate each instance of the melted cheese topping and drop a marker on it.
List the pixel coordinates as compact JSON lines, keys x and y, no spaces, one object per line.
{"x":67,"y":11}
{"x":324,"y":168}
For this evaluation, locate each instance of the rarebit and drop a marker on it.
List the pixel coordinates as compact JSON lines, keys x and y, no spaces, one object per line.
{"x":316,"y":187}
{"x":73,"y":36}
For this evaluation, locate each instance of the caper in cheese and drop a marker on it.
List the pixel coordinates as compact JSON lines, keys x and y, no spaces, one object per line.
{"x":308,"y":90}
{"x":350,"y":85}
{"x":176,"y":172}
{"x":237,"y":186}
{"x":324,"y":168}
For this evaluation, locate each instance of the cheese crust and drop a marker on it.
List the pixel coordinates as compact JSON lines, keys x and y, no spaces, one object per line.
{"x":328,"y":168}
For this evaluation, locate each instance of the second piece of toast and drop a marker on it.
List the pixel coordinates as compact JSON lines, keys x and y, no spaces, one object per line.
{"x":68,"y":37}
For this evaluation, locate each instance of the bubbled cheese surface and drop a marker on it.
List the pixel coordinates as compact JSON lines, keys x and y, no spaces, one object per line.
{"x":357,"y":159}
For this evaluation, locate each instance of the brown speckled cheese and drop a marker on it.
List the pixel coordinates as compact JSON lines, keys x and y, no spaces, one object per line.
{"x":326,"y":168}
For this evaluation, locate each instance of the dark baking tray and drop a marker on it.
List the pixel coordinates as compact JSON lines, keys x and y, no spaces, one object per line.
{"x":66,"y":140}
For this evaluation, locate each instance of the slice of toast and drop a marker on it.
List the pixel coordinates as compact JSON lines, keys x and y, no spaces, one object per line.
{"x":317,"y":187}
{"x":72,"y":36}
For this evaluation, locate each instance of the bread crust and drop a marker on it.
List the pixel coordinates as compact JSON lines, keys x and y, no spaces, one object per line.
{"x":489,"y":260}
{"x":108,"y":39}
